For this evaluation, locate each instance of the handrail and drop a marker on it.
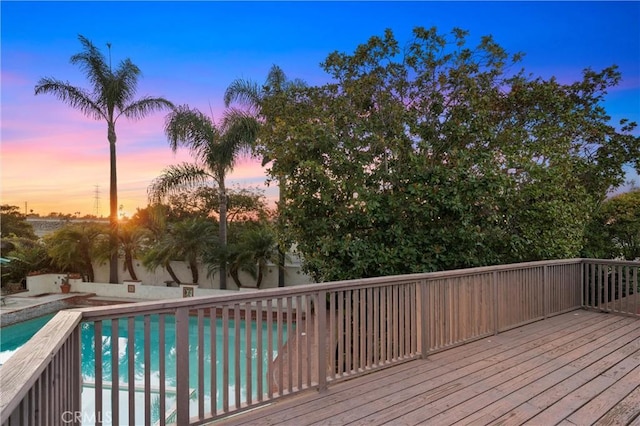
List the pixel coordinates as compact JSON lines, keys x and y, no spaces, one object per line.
{"x":141,"y":308}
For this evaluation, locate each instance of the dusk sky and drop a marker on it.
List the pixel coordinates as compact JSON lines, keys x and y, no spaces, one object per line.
{"x":53,"y":158}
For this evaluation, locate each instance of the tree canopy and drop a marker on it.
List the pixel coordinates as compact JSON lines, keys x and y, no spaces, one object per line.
{"x":435,"y":155}
{"x":14,"y":224}
{"x":615,"y":229}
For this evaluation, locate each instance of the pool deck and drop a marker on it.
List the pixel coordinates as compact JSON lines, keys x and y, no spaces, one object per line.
{"x":23,"y":306}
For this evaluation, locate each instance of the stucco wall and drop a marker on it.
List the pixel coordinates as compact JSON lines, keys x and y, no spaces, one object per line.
{"x":50,"y":283}
{"x":152,"y":285}
{"x":293,"y":275}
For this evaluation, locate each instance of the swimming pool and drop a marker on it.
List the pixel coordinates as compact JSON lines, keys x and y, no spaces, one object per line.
{"x":12,"y":337}
{"x":16,"y":335}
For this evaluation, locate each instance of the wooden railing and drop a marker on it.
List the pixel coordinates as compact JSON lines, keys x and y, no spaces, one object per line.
{"x":612,"y":286}
{"x":192,"y":360}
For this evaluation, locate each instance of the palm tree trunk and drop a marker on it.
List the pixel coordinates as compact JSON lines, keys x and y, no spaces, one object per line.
{"x":113,"y":206}
{"x":260,"y":275}
{"x":128,"y":261}
{"x":172,"y":273}
{"x":194,"y":271}
{"x":236,"y":277}
{"x":223,"y":232}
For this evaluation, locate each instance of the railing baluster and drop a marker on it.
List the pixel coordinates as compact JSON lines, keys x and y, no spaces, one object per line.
{"x":362,"y":319}
{"x":341,"y":332}
{"x":280,"y":345}
{"x":248,"y":353}
{"x":200,"y":361}
{"x":182,"y":366}
{"x":213,"y":356}
{"x":289,"y":349}
{"x":131,"y":353}
{"x":115,"y":374}
{"x":225,"y":359}
{"x":236,"y":354}
{"x":260,"y":355}
{"x":299,"y":338}
{"x":147,"y":369}
{"x":636,"y":289}
{"x":97,"y":343}
{"x":370,"y":339}
{"x":321,"y":330}
{"x":376,"y":326}
{"x":270,"y":373}
{"x":308,"y":335}
{"x":348,"y":345}
{"x":332,"y":333}
{"x":355,"y":330}
{"x":161,"y":366}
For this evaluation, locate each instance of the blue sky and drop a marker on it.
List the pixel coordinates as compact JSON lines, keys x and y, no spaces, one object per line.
{"x":53,"y":157}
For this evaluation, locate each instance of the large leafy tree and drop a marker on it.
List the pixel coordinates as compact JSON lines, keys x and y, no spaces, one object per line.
{"x":436,"y":155}
{"x":13,"y":223}
{"x":215,"y":149}
{"x":25,"y":255}
{"x":110,"y":97}
{"x":615,"y":229}
{"x":252,"y":96}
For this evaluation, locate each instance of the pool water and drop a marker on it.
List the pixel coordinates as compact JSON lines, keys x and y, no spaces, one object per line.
{"x":16,"y":335}
{"x":12,"y":337}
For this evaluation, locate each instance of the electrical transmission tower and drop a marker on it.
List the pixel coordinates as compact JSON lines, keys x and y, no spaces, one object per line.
{"x":97,"y":200}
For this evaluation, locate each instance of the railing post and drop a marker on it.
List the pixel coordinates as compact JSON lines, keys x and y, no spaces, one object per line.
{"x":321,"y":335}
{"x":182,"y":366}
{"x":583,"y":266}
{"x":423,"y":318}
{"x":545,"y":291}
{"x":494,"y":279}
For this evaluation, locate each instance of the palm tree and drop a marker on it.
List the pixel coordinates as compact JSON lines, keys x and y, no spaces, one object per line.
{"x":251,"y":251}
{"x":259,"y":248}
{"x":133,"y":239}
{"x":187,"y":240}
{"x":154,"y":219}
{"x":215,"y":150}
{"x":251,"y":96}
{"x":74,"y":247}
{"x":110,"y":97}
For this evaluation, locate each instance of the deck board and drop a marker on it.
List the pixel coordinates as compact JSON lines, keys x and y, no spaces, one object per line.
{"x":574,"y":369}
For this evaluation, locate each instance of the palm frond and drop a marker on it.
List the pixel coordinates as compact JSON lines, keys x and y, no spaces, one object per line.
{"x":190,"y":128}
{"x":175,"y":178}
{"x":239,"y":133}
{"x":94,"y":65}
{"x":73,"y":96}
{"x":125,"y":82}
{"x":244,"y":92}
{"x":276,"y":79}
{"x":143,"y":106}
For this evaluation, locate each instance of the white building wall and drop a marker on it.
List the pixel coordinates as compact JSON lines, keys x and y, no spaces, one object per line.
{"x":159,"y":277}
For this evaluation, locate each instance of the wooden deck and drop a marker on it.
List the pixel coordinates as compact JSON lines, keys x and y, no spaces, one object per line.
{"x":579,"y":368}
